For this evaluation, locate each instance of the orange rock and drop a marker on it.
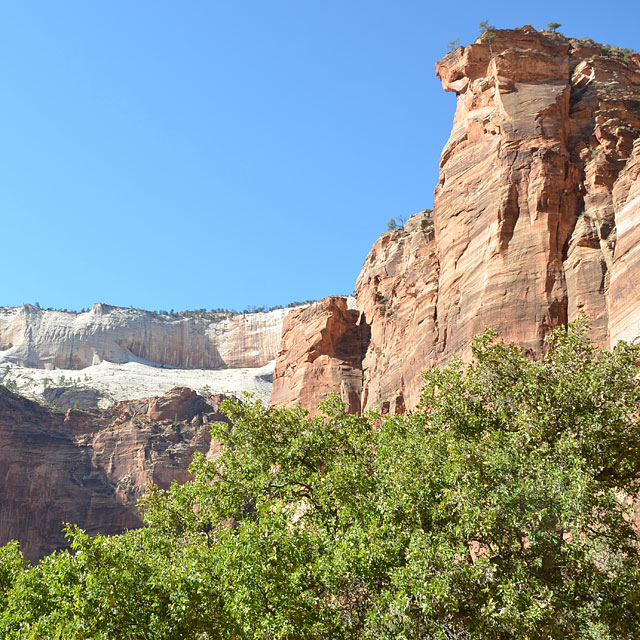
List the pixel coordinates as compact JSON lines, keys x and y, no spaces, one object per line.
{"x":536,"y":218}
{"x":90,"y":467}
{"x":624,"y":292}
{"x":321,"y":351}
{"x":178,"y":404}
{"x":397,"y":292}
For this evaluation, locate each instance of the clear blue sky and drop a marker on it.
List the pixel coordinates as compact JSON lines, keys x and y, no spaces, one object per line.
{"x":188,"y":154}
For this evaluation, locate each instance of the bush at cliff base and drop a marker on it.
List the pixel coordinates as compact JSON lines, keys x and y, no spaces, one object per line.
{"x":500,"y":509}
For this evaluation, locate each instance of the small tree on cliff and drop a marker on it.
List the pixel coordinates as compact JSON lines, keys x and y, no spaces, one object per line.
{"x":553,"y":26}
{"x":452,"y":45}
{"x":487,"y":34}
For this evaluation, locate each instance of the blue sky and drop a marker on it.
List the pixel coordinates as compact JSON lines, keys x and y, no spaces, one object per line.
{"x":202,"y":154}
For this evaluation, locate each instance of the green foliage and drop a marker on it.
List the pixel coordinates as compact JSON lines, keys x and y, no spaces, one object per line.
{"x":396,"y":223}
{"x":487,"y":34}
{"x":594,"y":151}
{"x":498,"y":510}
{"x":553,"y":26}
{"x":10,"y":385}
{"x":485,"y":27}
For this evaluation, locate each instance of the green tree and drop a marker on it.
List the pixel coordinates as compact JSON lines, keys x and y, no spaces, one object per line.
{"x":499,"y":509}
{"x":392,"y":225}
{"x":487,"y":34}
{"x":553,"y":26}
{"x":485,"y":26}
{"x":452,"y":45}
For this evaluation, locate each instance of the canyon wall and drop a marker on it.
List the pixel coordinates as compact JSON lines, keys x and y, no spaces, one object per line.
{"x":39,"y":338}
{"x":536,"y":218}
{"x":90,"y":467}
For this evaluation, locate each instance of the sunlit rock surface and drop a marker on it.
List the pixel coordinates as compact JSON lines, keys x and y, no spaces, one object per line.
{"x":536,"y":219}
{"x":112,"y":353}
{"x":39,"y":338}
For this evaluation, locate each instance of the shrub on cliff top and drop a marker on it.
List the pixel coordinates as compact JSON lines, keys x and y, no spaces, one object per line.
{"x":498,"y":510}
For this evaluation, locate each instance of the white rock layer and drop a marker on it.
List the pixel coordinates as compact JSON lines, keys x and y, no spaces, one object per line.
{"x":34,"y":337}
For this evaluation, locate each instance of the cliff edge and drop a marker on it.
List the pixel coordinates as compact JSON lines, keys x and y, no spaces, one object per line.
{"x":536,"y":218}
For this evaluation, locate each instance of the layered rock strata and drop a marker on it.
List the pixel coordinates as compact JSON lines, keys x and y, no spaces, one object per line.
{"x":35,"y":337}
{"x":90,"y":467}
{"x":536,"y":217}
{"x":624,"y":290}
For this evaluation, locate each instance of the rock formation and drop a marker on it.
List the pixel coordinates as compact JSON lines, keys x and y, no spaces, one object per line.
{"x":40,"y":338}
{"x":536,"y":218}
{"x":107,"y":354}
{"x":624,"y":290}
{"x":90,"y":467}
{"x":321,"y":352}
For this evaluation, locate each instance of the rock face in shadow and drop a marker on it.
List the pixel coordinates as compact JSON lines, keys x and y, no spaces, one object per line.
{"x":40,"y":338}
{"x":536,"y":218}
{"x":90,"y":467}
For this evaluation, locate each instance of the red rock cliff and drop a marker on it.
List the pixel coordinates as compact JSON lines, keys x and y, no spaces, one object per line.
{"x":536,"y":216}
{"x":321,"y":351}
{"x":90,"y":467}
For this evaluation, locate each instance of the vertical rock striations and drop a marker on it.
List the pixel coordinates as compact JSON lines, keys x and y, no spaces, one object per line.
{"x":397,"y":293}
{"x":536,"y":216}
{"x":525,"y":224}
{"x":40,"y":338}
{"x":624,"y":291}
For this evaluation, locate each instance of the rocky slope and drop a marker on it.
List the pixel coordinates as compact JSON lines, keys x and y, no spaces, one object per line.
{"x":90,"y":467}
{"x":536,"y":218}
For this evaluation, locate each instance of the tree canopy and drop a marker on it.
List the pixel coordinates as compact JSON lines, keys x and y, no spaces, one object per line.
{"x":501,"y":508}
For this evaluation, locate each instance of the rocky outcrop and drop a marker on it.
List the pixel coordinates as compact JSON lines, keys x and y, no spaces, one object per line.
{"x":40,"y":338}
{"x":397,"y":293}
{"x":322,"y":350}
{"x":179,"y":404}
{"x":536,"y":216}
{"x":90,"y":467}
{"x":524,"y":218}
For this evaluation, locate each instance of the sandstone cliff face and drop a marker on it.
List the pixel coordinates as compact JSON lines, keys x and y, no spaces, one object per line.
{"x":525,"y":224}
{"x":90,"y":467}
{"x":536,"y":216}
{"x":321,"y":352}
{"x":397,"y":293}
{"x":35,"y":337}
{"x":624,"y":292}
